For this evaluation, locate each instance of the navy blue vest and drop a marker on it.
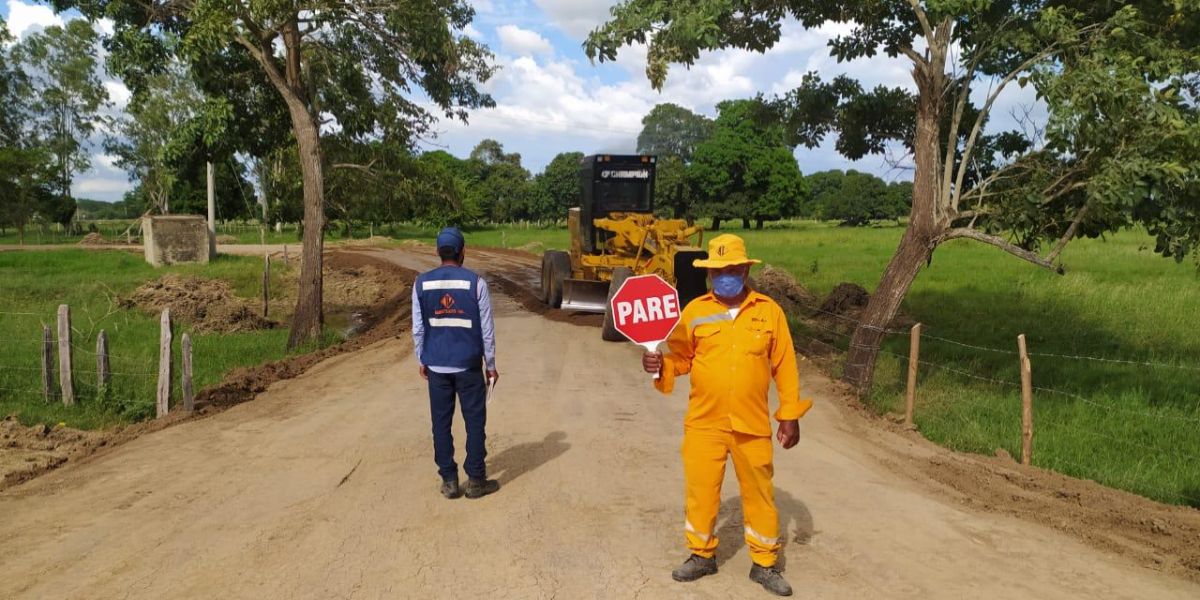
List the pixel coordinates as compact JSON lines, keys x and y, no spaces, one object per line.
{"x":449,"y":299}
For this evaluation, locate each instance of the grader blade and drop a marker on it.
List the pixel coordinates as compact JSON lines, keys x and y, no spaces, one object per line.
{"x":584,"y":295}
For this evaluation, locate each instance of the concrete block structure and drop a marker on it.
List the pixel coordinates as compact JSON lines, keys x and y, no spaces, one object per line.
{"x":173,"y":239}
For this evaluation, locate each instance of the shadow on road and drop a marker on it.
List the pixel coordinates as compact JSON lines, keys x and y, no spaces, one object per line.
{"x":518,"y":460}
{"x":795,"y":526}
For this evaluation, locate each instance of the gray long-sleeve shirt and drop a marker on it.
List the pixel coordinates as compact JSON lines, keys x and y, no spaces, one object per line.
{"x":485,"y":322}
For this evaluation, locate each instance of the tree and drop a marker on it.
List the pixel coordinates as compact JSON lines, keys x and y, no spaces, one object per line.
{"x":744,"y":169}
{"x":1118,"y":79}
{"x":854,"y":198}
{"x":67,"y":95}
{"x":498,"y":184}
{"x":149,"y":139}
{"x":559,"y":186}
{"x":671,"y":130}
{"x":674,"y":196}
{"x":28,"y":176}
{"x":12,"y":79}
{"x":350,"y":63}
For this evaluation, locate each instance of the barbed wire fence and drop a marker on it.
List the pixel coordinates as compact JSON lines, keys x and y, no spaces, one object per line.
{"x":1154,"y":441}
{"x":77,"y":369}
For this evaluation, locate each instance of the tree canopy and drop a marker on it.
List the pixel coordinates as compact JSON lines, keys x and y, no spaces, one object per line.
{"x":1119,"y":81}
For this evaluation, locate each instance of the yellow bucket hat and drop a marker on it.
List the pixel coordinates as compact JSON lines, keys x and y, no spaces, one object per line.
{"x":725,"y":250}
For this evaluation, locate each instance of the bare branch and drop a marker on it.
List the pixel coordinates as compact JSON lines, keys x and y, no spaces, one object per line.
{"x":923,"y":19}
{"x":1001,"y":243}
{"x":1068,"y":236}
{"x":987,"y":108}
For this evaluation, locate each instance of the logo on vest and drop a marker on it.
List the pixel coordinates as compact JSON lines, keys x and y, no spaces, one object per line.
{"x":448,"y":308}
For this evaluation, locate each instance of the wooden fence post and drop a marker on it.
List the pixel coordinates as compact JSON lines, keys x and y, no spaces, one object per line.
{"x":163,"y":400}
{"x":914,"y":353}
{"x":103,"y":375}
{"x":185,"y":348}
{"x":47,"y":363}
{"x":1026,"y":404}
{"x":285,"y":255}
{"x":266,"y":284}
{"x":65,"y":380}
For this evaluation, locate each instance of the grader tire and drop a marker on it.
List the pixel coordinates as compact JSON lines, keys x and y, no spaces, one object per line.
{"x":609,"y":333}
{"x":556,"y":267}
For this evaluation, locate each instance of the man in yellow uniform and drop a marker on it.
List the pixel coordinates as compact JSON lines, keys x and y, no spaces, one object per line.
{"x":732,"y":341}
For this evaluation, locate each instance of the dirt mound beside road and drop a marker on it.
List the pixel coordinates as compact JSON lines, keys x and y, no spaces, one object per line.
{"x":208,"y":305}
{"x":93,"y":239}
{"x":30,"y":451}
{"x":784,"y":290}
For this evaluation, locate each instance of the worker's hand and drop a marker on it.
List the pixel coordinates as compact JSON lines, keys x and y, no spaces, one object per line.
{"x":493,"y":376}
{"x":789,"y":433}
{"x":652,"y":362}
{"x":424,"y":373}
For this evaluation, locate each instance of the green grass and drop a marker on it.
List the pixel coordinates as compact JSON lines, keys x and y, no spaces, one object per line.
{"x":1135,"y":427}
{"x":37,"y":282}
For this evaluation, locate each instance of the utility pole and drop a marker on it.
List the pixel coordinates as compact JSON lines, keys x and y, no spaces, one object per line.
{"x":212,"y":213}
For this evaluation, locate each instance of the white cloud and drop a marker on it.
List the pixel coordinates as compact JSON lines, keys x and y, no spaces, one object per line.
{"x":523,"y":42}
{"x":103,"y":181}
{"x":483,"y":6}
{"x":576,"y":17}
{"x":26,"y":18}
{"x":117,"y":93}
{"x":472,"y":32}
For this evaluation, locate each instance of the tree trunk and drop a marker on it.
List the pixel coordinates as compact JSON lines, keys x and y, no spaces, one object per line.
{"x":716,"y":224}
{"x":758,"y":224}
{"x":309,"y":317}
{"x":745,"y":223}
{"x":916,"y":245}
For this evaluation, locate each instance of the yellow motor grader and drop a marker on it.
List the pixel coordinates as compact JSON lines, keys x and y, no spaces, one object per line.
{"x":614,"y":235}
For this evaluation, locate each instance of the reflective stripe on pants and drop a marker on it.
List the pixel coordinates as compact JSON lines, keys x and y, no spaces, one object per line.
{"x":705,"y":452}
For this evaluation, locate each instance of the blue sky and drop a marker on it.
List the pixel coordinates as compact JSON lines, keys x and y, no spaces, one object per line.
{"x":551,"y":99}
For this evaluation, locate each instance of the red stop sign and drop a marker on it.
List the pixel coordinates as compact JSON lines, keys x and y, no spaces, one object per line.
{"x":645,"y":309}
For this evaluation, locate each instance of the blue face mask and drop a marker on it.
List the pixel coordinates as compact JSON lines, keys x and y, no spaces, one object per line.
{"x":728,"y":285}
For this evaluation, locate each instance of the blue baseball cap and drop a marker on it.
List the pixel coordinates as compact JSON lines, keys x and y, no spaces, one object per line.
{"x":451,"y":237}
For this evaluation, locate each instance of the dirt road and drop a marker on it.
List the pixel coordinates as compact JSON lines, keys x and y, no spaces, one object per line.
{"x":324,"y":487}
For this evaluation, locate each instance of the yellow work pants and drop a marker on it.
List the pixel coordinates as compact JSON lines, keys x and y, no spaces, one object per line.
{"x":704,"y":457}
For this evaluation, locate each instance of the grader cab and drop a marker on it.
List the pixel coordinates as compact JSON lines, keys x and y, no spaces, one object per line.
{"x":614,"y":235}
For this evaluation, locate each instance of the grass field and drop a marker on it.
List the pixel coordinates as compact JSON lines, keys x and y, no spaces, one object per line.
{"x":1132,"y":426}
{"x":35,"y":283}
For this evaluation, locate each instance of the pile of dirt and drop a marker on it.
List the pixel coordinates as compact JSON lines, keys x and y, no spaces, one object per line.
{"x":26,"y":452}
{"x":783,"y":289}
{"x":375,"y":240}
{"x":391,"y":317}
{"x":532,"y":248}
{"x":94,"y":239}
{"x":845,"y":298}
{"x":352,"y":281}
{"x":208,"y":305}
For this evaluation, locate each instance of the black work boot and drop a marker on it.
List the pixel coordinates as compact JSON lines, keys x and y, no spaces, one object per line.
{"x":771,"y":580}
{"x":450,"y":488}
{"x":478,"y":488}
{"x":694,"y":568}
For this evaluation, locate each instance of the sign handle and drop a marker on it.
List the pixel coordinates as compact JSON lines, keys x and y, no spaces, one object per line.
{"x":652,"y":347}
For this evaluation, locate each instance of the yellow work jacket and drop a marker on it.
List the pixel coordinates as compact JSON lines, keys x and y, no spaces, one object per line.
{"x":732,"y":361}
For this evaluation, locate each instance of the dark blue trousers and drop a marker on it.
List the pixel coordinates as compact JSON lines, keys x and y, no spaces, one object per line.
{"x":471,"y":391}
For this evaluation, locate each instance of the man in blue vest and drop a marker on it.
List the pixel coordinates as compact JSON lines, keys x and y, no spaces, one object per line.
{"x":454,"y":337}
